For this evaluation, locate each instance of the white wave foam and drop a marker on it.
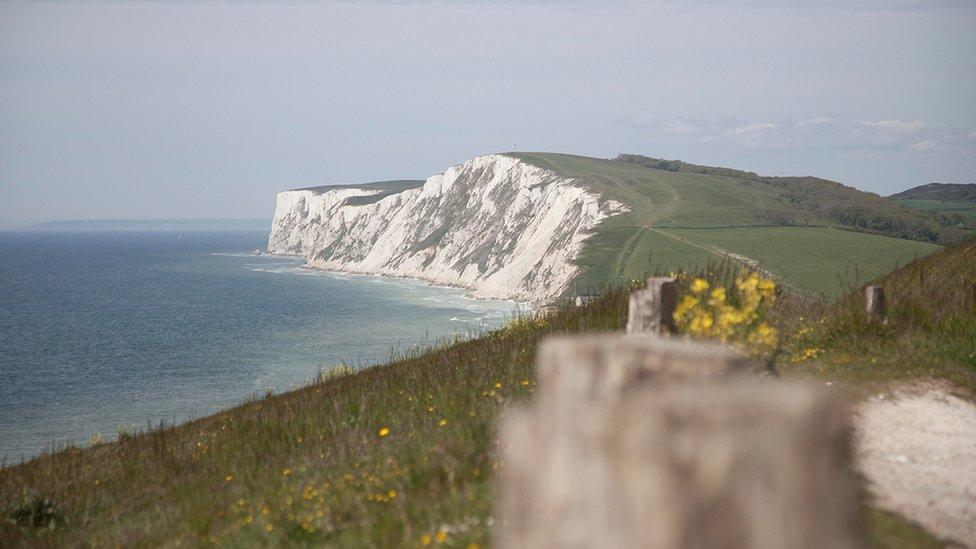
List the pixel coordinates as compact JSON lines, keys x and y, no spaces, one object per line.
{"x":238,"y":254}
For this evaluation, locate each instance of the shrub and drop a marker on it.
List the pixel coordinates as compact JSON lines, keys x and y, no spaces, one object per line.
{"x":37,"y":512}
{"x":735,"y":313}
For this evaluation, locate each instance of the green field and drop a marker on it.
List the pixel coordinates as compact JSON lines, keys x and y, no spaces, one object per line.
{"x":685,"y":220}
{"x":824,"y":260}
{"x":966,"y":209}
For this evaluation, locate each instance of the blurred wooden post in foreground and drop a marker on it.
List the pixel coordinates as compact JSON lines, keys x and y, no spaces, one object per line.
{"x":874,"y":301}
{"x":651,"y":310}
{"x":639,"y":442}
{"x":581,"y":369}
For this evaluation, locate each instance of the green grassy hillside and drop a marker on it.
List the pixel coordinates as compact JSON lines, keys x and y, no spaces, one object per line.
{"x":388,"y":457}
{"x":402,"y":454}
{"x":825,"y":260}
{"x":685,"y":216}
{"x":952,"y":204}
{"x":929,"y":331}
{"x":825,"y":199}
{"x":943,"y":192}
{"x":955,"y":213}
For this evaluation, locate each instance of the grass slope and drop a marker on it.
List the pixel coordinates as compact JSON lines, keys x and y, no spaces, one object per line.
{"x":397,"y":455}
{"x":688,"y":217}
{"x":308,"y":466}
{"x":858,"y":210}
{"x":929,"y":331}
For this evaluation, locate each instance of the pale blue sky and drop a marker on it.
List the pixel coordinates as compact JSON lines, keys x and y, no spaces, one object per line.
{"x":193,"y":109}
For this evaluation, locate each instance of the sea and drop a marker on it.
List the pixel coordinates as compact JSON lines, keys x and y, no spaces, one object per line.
{"x":108,"y":331}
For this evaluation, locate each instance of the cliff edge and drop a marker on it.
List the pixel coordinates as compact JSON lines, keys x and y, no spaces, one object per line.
{"x":495,"y":225}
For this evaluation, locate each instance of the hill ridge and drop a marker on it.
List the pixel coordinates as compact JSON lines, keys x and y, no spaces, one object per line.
{"x":946,"y":192}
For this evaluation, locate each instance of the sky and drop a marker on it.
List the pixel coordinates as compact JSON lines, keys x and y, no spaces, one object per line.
{"x":183,"y":109}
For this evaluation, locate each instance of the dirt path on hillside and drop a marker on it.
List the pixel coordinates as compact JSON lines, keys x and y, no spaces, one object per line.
{"x":917,"y":448}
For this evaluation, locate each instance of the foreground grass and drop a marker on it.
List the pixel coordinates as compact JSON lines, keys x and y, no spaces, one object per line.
{"x":392,"y":456}
{"x":401,"y":454}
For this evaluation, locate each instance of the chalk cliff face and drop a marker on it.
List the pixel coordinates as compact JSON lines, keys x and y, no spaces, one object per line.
{"x":495,"y":225}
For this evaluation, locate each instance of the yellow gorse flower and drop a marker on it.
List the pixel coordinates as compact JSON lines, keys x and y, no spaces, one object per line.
{"x":717,"y":297}
{"x":733,"y":314}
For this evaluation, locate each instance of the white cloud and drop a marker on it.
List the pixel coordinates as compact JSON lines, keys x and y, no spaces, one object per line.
{"x":821,"y":132}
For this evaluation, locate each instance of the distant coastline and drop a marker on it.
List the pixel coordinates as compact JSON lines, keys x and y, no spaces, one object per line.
{"x":152,"y":225}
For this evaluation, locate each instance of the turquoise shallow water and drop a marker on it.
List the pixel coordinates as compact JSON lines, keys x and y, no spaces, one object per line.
{"x":102,"y":330}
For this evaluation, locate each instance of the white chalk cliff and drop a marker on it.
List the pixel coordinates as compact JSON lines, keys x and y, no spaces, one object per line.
{"x":495,"y":225}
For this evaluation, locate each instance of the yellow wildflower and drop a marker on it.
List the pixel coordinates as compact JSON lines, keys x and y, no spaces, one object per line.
{"x":717,"y":297}
{"x":425,"y":539}
{"x":748,"y":282}
{"x":442,"y":422}
{"x":808,"y":353}
{"x":384,"y":431}
{"x":764,"y":335}
{"x":687,"y":304}
{"x":441,"y":536}
{"x":707,"y":312}
{"x":699,"y":286}
{"x":700,"y":323}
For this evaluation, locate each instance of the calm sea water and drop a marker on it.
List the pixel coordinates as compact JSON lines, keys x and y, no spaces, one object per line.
{"x":102,"y":330}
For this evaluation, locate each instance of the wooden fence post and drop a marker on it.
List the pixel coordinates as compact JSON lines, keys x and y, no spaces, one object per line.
{"x":651,"y":311}
{"x":734,"y":463}
{"x":585,"y":368}
{"x":874,"y":301}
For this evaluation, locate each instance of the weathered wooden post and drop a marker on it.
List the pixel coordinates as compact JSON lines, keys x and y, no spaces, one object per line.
{"x":874,"y":301}
{"x":585,"y":368}
{"x":651,"y":310}
{"x":734,"y":463}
